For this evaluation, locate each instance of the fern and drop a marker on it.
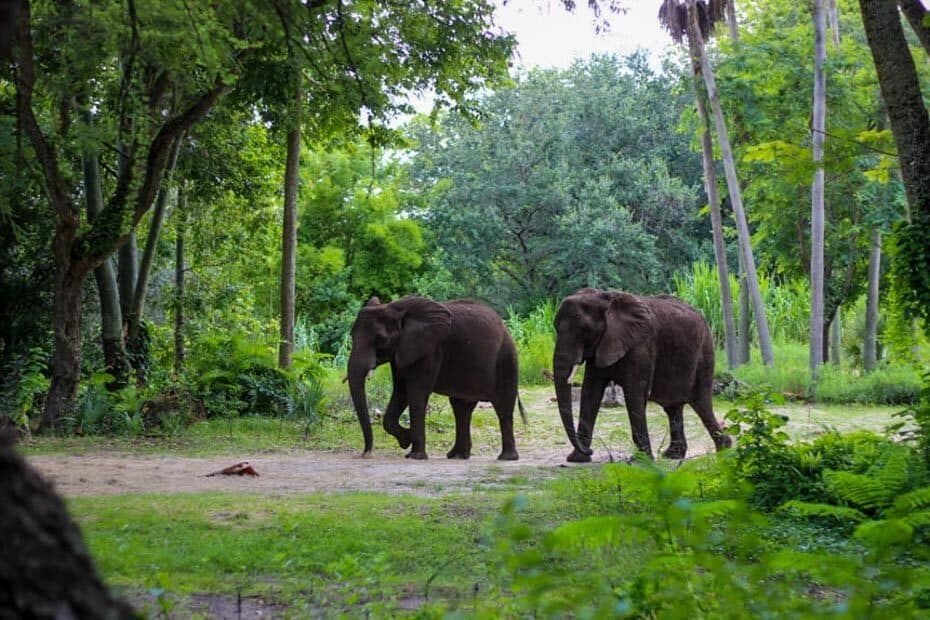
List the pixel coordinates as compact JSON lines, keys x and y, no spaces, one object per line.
{"x":862,"y":491}
{"x":812,"y":510}
{"x":910,"y":502}
{"x":896,"y":471}
{"x":918,"y":520}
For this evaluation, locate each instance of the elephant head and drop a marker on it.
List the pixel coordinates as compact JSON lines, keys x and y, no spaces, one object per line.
{"x":593,"y":326}
{"x":399,"y":332}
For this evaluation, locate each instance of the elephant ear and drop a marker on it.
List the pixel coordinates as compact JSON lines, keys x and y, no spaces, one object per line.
{"x":424,"y":325}
{"x":628,"y":323}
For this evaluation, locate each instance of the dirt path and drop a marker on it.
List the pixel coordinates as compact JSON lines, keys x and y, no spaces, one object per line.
{"x":305,"y":472}
{"x":542,"y":447}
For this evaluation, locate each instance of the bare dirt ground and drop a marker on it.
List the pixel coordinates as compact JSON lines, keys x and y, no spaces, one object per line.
{"x":542,"y":446}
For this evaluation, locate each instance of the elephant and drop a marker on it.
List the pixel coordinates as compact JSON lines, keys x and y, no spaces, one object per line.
{"x":460,"y":349}
{"x":656,"y":348}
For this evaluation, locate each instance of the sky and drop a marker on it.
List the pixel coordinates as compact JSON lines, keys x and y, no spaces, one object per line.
{"x":550,"y":36}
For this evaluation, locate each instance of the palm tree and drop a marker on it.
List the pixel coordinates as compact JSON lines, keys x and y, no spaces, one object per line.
{"x":694,"y":20}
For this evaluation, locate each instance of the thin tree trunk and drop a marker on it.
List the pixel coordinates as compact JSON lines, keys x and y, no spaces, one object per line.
{"x":833,"y":22}
{"x":836,"y":329}
{"x":745,"y":315}
{"x":818,"y":131}
{"x":179,"y":351}
{"x":289,"y":241}
{"x":765,"y":342}
{"x":111,"y":316}
{"x":869,"y":345}
{"x":148,"y":254}
{"x":731,"y":20}
{"x":713,"y":199}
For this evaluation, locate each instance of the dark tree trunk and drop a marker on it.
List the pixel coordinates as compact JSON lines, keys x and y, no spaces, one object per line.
{"x":916,"y":14}
{"x":179,"y":351}
{"x":151,"y":242}
{"x":66,"y":360}
{"x":910,"y":124}
{"x":46,"y":571}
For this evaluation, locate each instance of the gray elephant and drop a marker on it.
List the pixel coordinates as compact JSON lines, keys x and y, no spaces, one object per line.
{"x":460,"y":349}
{"x":655,"y":348}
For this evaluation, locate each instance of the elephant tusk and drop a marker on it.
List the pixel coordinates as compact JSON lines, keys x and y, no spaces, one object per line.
{"x":572,"y":375}
{"x":368,"y":376}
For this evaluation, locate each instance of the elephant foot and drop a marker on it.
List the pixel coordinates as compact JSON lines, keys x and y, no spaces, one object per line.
{"x":404,"y":438}
{"x":419,"y":456}
{"x":723,"y":441}
{"x":676,"y":452}
{"x":456,"y":453}
{"x":508,"y":455}
{"x":578,"y":457}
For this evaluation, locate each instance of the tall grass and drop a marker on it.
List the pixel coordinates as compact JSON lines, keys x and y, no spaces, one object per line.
{"x":534,"y":336}
{"x":787,"y":302}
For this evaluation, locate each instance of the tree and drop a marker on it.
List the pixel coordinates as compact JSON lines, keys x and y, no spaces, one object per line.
{"x":698,"y":19}
{"x":818,"y":132}
{"x":713,"y":198}
{"x":136,"y":67}
{"x":564,"y":185}
{"x":910,"y":124}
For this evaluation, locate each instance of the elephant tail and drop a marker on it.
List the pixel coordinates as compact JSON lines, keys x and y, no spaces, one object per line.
{"x":522,"y":410}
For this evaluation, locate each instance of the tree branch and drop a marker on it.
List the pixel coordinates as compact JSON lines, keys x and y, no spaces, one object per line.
{"x":58,"y":195}
{"x":916,"y":14}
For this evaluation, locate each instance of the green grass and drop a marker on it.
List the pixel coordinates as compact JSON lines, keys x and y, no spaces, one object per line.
{"x":322,"y":551}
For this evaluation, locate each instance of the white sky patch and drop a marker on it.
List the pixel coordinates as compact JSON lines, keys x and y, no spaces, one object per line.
{"x":549,"y":36}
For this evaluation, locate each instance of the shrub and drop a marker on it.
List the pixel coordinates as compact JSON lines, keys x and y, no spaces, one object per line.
{"x":25,"y":384}
{"x":233,"y":374}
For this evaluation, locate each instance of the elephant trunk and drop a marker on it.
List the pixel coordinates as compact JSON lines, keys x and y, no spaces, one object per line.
{"x":563,"y":393}
{"x":358,"y":371}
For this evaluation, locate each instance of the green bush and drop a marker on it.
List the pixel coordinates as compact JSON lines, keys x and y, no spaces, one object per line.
{"x":233,"y":374}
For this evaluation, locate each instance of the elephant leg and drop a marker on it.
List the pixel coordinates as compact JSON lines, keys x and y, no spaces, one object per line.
{"x":462,"y":410}
{"x":635,"y":395}
{"x":391,"y":419}
{"x":417,"y":399}
{"x":504,"y":409}
{"x":704,"y":407}
{"x":676,"y":426}
{"x":592,"y":393}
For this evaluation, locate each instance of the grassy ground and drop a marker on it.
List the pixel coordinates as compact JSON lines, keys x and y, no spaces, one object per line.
{"x":356,"y":553}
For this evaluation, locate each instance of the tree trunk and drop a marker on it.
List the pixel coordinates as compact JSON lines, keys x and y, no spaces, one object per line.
{"x":765,"y":342}
{"x":745,"y":315}
{"x":148,"y":254}
{"x":289,"y":241}
{"x":910,"y":124}
{"x":836,"y":345}
{"x":179,"y":283}
{"x":66,"y":359}
{"x":731,"y":20}
{"x":870,"y":339}
{"x":916,"y":15}
{"x":818,"y":130}
{"x":713,"y":199}
{"x":833,"y":22}
{"x":111,"y":316}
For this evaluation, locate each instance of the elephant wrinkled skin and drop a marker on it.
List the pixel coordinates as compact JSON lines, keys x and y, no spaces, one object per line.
{"x":460,"y":349}
{"x":655,"y":348}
